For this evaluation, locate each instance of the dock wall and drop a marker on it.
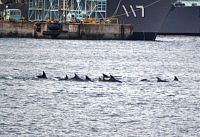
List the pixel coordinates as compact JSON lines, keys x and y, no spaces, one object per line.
{"x":16,"y":29}
{"x":66,"y":30}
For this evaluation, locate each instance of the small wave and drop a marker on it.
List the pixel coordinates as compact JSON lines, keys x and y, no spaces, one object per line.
{"x":167,"y":116}
{"x":97,"y":95}
{"x":59,"y":91}
{"x":5,"y":95}
{"x":16,"y":77}
{"x":94,"y":129}
{"x":24,"y":78}
{"x":8,"y":84}
{"x":171,"y":95}
{"x":197,"y":80}
{"x":94,"y":120}
{"x":4,"y":124}
{"x":114,"y":115}
{"x":6,"y":78}
{"x":141,"y":103}
{"x":130,"y":121}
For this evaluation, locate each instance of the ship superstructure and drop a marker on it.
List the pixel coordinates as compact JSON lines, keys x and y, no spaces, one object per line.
{"x":190,"y":2}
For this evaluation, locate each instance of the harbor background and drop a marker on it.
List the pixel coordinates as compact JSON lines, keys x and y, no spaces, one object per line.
{"x":32,"y":107}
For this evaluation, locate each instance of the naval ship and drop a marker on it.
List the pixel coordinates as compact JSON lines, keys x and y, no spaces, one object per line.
{"x":183,"y":19}
{"x":146,"y":16}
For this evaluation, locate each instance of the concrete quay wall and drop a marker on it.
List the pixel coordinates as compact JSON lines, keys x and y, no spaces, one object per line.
{"x":66,"y":30}
{"x":16,"y":29}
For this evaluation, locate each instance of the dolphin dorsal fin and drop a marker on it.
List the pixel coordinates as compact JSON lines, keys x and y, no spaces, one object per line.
{"x":87,"y":78}
{"x":175,"y":78}
{"x":44,"y":75}
{"x":105,"y":76}
{"x":112,"y":77}
{"x":158,"y":78}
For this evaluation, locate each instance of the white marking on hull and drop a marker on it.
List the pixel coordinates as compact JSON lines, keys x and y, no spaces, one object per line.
{"x":125,"y":10}
{"x":137,"y":8}
{"x":142,"y":8}
{"x":134,"y":14}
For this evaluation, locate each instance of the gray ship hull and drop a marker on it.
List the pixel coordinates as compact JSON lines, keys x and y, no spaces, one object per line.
{"x":146,"y":16}
{"x":182,"y":21}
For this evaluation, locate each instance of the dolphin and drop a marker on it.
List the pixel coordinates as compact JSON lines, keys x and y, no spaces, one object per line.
{"x":105,"y":76}
{"x":76,"y":78}
{"x":43,"y":76}
{"x":160,"y":80}
{"x":113,"y":79}
{"x":100,"y":79}
{"x":66,"y":78}
{"x":104,"y":80}
{"x":87,"y":78}
{"x":145,"y":80}
{"x":110,"y":78}
{"x":175,"y":78}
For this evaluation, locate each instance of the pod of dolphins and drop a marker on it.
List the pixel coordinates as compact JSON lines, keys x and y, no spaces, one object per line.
{"x":161,"y":80}
{"x":105,"y":78}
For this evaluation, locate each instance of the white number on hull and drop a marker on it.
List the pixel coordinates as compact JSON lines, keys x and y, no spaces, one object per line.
{"x":137,"y":7}
{"x":142,"y":9}
{"x":125,"y":10}
{"x":133,"y":11}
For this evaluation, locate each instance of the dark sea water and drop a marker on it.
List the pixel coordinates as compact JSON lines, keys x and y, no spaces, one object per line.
{"x":35,"y":107}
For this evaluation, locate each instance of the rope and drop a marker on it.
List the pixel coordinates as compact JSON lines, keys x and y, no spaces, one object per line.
{"x":114,"y":14}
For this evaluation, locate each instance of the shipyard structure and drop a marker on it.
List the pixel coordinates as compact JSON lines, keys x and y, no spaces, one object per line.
{"x":83,"y":19}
